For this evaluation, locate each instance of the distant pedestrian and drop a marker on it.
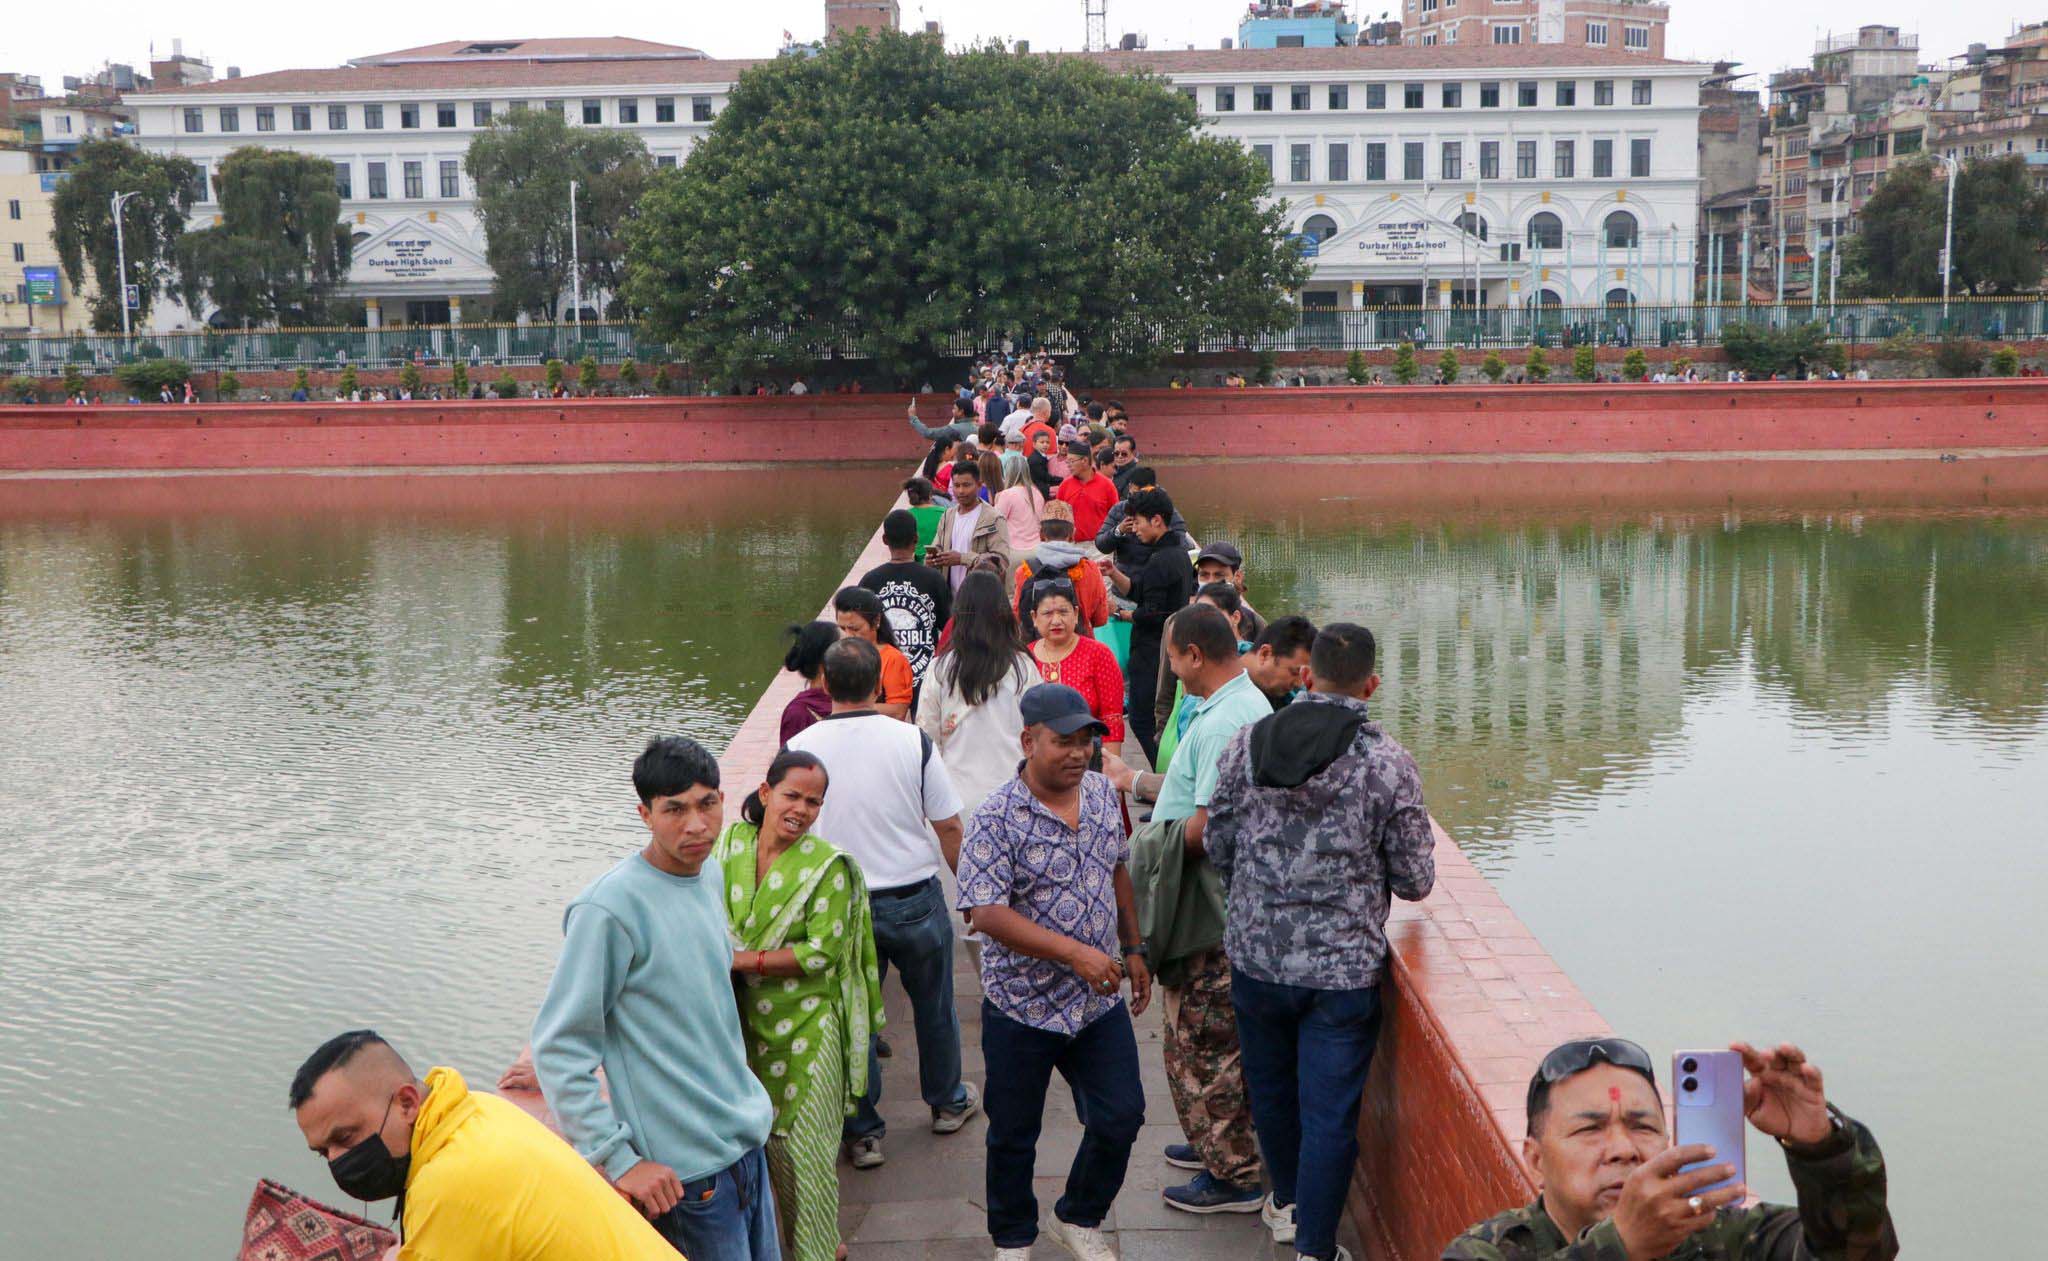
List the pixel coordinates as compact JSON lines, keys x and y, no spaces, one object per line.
{"x":806,"y":660}
{"x":916,"y":601}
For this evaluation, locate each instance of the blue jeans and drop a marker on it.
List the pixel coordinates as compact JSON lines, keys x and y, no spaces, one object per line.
{"x":914,"y":931}
{"x":729,"y":1216}
{"x":1100,"y":1064}
{"x":1306,"y":1053}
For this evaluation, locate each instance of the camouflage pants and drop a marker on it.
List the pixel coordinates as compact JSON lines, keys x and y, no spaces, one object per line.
{"x":1205,"y":1071}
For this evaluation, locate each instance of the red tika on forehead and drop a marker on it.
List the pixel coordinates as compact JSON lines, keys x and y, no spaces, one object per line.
{"x":1614,"y":1094}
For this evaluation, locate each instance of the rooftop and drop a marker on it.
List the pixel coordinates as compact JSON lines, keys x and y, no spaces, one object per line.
{"x":579,"y":48}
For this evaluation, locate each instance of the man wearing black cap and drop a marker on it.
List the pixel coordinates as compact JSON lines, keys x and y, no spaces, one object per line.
{"x":1612,"y":1186}
{"x":1222,"y":562}
{"x":1042,"y":874}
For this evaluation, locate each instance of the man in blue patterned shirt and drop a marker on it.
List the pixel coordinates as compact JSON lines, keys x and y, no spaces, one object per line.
{"x":1317,"y":818}
{"x":1042,"y":874}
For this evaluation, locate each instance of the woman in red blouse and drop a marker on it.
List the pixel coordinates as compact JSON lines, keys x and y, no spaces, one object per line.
{"x":1063,"y":656}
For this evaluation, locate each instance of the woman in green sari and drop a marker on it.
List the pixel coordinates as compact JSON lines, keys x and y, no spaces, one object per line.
{"x":809,"y":994}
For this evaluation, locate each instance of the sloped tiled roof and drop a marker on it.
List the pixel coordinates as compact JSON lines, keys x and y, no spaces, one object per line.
{"x":520,"y":49}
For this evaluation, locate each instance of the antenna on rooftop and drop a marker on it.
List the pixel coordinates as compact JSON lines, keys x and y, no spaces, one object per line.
{"x":1098,"y":25}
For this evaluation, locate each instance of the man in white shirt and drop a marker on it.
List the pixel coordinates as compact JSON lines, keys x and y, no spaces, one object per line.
{"x":1013,"y":424}
{"x":887,"y":783}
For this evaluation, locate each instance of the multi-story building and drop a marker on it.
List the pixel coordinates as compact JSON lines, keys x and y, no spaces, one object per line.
{"x":2010,"y":109}
{"x":33,"y":291}
{"x":1630,"y":26}
{"x":1490,"y":173}
{"x":1730,"y":127}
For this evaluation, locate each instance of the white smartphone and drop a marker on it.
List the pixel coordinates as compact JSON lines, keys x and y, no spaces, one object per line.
{"x":1706,"y":1106}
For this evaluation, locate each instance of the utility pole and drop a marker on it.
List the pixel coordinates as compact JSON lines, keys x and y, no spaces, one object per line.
{"x":1948,"y":239}
{"x":1097,"y":13}
{"x":121,"y":259}
{"x":575,"y":266}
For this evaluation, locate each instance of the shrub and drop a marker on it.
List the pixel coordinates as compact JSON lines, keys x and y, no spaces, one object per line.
{"x":1584,"y":368}
{"x":1537,"y":366}
{"x":1837,"y":356}
{"x":586,"y":374}
{"x":1447,"y":367}
{"x":147,"y":377}
{"x":149,"y":350}
{"x":23,"y":390}
{"x":80,"y":352}
{"x":1759,"y":352}
{"x":1405,"y":369}
{"x":1956,"y":357}
{"x":458,"y":380}
{"x":1635,"y":365}
{"x":74,"y":380}
{"x":556,"y":368}
{"x":2005,"y":362}
{"x":300,"y":382}
{"x":1354,"y":368}
{"x":349,"y":382}
{"x":227,"y":385}
{"x":409,"y":378}
{"x":506,"y":387}
{"x":1681,"y":365}
{"x":1494,"y":366}
{"x":661,"y":378}
{"x":629,"y":373}
{"x":1267,"y":364}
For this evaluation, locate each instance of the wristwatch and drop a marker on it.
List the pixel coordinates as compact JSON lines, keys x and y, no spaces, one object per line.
{"x":1140,"y":951}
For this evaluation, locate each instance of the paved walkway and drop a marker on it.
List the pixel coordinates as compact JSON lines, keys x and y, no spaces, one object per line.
{"x":927,"y":1203}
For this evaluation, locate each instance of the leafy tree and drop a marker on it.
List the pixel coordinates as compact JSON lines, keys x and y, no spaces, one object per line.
{"x":280,"y":249}
{"x":409,"y":378}
{"x":661,"y":378}
{"x":1447,"y":367}
{"x":1584,"y":367}
{"x":2001,"y":226}
{"x":2005,"y":362}
{"x":886,"y":195}
{"x":349,"y":382}
{"x":24,"y":389}
{"x":74,"y":380}
{"x":151,"y":222}
{"x":1761,"y":351}
{"x":1956,"y":357}
{"x":1537,"y":366}
{"x":1494,"y":366}
{"x":1837,"y":356}
{"x":1264,"y":366}
{"x":1354,"y":368}
{"x":458,"y":380}
{"x":554,"y":376}
{"x":586,"y":374}
{"x":522,"y":164}
{"x":145,"y":378}
{"x":506,"y":387}
{"x":301,"y":382}
{"x":227,"y":385}
{"x":1635,"y":365}
{"x":1406,"y":371}
{"x":629,"y":374}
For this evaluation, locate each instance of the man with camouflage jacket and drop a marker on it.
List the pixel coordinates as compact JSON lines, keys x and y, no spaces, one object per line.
{"x":1316,"y":822}
{"x":1613,"y":1190}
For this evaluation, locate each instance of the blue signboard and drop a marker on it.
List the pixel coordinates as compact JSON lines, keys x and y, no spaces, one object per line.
{"x":50,"y":179}
{"x":1309,"y":245}
{"x":44,"y":289}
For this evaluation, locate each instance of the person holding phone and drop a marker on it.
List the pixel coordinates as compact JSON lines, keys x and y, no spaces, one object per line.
{"x":1614,"y":1186}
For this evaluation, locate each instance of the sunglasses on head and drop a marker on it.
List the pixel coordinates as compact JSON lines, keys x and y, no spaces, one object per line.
{"x":1052,"y":586}
{"x":1576,"y":1057}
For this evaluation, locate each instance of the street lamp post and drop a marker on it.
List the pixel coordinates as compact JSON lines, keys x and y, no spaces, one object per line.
{"x":121,"y":260}
{"x":575,"y":267}
{"x":1948,"y":239}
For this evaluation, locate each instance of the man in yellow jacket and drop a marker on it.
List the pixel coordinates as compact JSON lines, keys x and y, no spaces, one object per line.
{"x":476,"y":1178}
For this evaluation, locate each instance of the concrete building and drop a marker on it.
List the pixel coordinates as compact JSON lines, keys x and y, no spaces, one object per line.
{"x":33,"y":292}
{"x":2011,"y":105}
{"x":1491,"y":173}
{"x":843,"y":16}
{"x":1731,"y":118}
{"x":1630,"y":26}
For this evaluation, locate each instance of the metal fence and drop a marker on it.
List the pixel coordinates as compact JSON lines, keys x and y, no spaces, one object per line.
{"x":495,"y":345}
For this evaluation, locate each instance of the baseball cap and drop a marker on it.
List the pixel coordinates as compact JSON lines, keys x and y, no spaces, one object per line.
{"x":1225,"y":552}
{"x":1059,"y":707}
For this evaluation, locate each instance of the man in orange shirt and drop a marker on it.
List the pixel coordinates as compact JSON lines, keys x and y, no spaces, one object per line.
{"x":1088,"y":491}
{"x":1057,"y":555}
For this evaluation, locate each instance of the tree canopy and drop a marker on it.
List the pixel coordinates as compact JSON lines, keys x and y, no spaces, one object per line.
{"x":522,"y":164}
{"x":280,"y":248}
{"x":165,"y":189}
{"x":887,"y":195}
{"x":2001,"y":225}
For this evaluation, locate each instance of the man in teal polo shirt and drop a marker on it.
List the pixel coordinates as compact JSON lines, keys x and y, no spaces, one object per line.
{"x":1203,"y":1067}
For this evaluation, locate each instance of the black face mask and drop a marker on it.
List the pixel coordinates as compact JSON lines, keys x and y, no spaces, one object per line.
{"x":368,"y":1171}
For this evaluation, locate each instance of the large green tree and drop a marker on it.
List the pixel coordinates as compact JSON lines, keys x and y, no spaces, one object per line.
{"x":2001,"y":226}
{"x":522,"y":164}
{"x":280,"y":248}
{"x":151,"y":222}
{"x":887,"y":195}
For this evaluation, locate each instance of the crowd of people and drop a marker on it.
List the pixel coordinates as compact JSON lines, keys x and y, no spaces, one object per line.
{"x":1053,"y":722}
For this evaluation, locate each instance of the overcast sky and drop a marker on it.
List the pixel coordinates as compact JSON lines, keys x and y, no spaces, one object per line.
{"x":259,"y":35}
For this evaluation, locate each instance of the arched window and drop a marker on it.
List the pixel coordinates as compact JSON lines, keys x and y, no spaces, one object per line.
{"x":1472,"y":223}
{"x":1546,"y":298}
{"x":1546,"y":232}
{"x":1619,"y":297}
{"x":1621,"y":230}
{"x":1319,"y":228}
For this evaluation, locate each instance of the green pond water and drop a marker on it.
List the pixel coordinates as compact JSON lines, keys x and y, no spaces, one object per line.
{"x":283,"y":756}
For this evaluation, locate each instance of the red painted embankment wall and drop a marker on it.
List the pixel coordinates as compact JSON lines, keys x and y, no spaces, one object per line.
{"x":1551,"y":420}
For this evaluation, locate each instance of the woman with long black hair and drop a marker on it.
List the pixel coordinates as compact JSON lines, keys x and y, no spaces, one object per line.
{"x":806,"y":660}
{"x":969,"y":702}
{"x":860,"y":615}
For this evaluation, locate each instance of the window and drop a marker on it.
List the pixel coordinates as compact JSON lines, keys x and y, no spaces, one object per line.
{"x":1340,"y":96}
{"x":343,"y":183}
{"x":1375,"y":161}
{"x":201,"y":190}
{"x":1510,"y":251}
{"x":409,"y":117}
{"x":664,"y":109}
{"x":1319,"y":228}
{"x":1566,"y":158}
{"x":1546,"y":232}
{"x":1635,"y":37}
{"x":373,"y":117}
{"x":1340,"y":163}
{"x":1619,"y":230}
{"x":1596,"y":34}
{"x":1525,"y":93}
{"x":555,"y":108}
{"x":1507,"y":34}
{"x":302,"y":118}
{"x":378,"y":188}
{"x":337,"y":118}
{"x":1525,"y":159}
{"x":629,"y":109}
{"x":1297,"y":97}
{"x":266,"y":118}
{"x":700,"y":109}
{"x":1298,"y":161}
{"x":14,"y":208}
{"x":451,"y":179}
{"x":1603,"y":159}
{"x":1619,"y":298}
{"x":1603,"y":91}
{"x":1375,"y":96}
{"x":1795,"y":185}
{"x":480,"y":114}
{"x":1226,"y":100}
{"x":1411,"y":96}
{"x":1264,"y":153}
{"x":414,"y":185}
{"x":195,"y":120}
{"x":665,"y":162}
{"x":20,"y":253}
{"x":1639,"y":92}
{"x":1489,"y":96}
{"x":1639,"y":158}
{"x":593,"y":113}
{"x":1454,"y":95}
{"x":1290,"y":41}
{"x":1411,"y":160}
{"x":1489,"y":159}
{"x":1472,"y":223}
{"x":444,"y":114}
{"x":230,"y":118}
{"x":1262,"y":99}
{"x":1453,"y":160}
{"x":1567,"y":92}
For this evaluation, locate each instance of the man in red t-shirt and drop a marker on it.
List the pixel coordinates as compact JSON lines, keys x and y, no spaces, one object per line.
{"x":1087,"y":491}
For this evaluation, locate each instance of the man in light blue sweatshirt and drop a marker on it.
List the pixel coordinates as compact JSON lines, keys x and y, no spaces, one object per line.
{"x":644,"y":990}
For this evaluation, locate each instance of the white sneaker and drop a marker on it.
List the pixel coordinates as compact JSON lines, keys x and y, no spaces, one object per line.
{"x":1013,"y":1254}
{"x":866,"y":1153}
{"x":1087,"y":1243}
{"x":952,"y":1122}
{"x":1343,"y":1254}
{"x":1278,"y":1220}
